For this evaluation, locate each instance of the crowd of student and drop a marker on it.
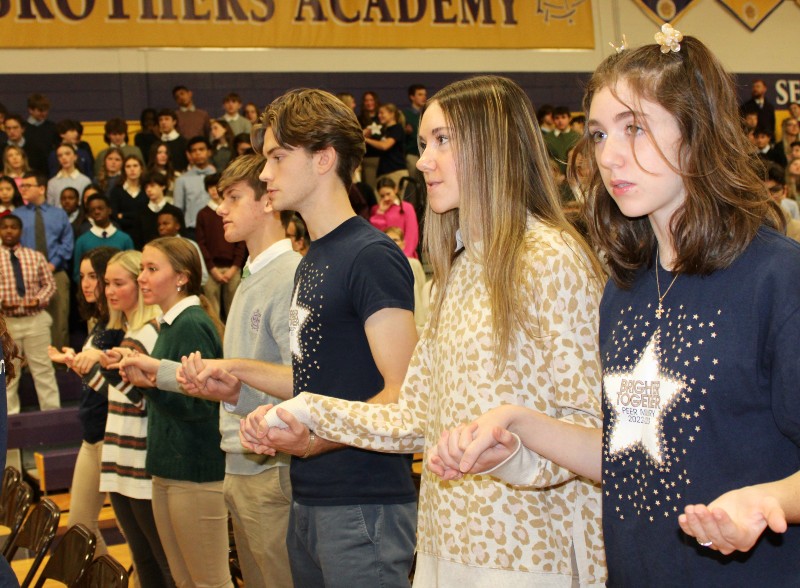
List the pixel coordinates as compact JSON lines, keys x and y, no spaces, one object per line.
{"x":567,"y":431}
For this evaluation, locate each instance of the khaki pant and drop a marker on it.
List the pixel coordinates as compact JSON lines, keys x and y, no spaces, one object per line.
{"x":86,"y":500}
{"x":59,"y":311}
{"x":216,"y":291}
{"x":32,"y":336}
{"x":259,"y":507}
{"x":369,"y":171}
{"x":192,"y":523}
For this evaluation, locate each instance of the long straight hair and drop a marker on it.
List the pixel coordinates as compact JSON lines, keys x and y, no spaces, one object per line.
{"x":504,"y":177}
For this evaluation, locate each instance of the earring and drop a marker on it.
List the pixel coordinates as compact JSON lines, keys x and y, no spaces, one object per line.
{"x":180,"y":287}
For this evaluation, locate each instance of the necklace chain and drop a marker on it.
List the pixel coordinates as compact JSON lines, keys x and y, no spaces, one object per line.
{"x":660,"y":309}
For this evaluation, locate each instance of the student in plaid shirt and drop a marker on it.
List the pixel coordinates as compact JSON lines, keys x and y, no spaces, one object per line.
{"x":23,"y":305}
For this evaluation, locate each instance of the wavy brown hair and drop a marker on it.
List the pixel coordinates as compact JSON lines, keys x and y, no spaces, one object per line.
{"x":504,"y":177}
{"x":315,"y":120}
{"x":10,"y":350}
{"x":726,"y":201}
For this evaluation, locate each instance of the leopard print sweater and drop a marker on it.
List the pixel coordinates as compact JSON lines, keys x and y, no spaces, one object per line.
{"x":478,"y":531}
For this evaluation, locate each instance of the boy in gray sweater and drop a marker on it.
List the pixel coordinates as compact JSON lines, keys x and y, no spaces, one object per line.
{"x":257,"y":488}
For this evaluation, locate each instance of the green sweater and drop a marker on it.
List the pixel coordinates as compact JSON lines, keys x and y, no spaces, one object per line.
{"x":183,"y":432}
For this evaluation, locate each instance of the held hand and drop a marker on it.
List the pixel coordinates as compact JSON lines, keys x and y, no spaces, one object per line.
{"x":253,"y":431}
{"x":476,"y":448}
{"x":208,"y":378}
{"x":293,"y":439}
{"x":212,"y":383}
{"x":137,"y":377}
{"x":217,"y":275}
{"x":85,"y":360}
{"x":231,"y":272}
{"x":112,"y":357}
{"x":735,"y":520}
{"x":67,"y":353}
{"x":139,"y":369}
{"x":144,"y":363}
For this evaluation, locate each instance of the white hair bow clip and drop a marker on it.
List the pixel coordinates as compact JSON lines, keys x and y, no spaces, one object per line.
{"x":621,"y":47}
{"x":669,"y":39}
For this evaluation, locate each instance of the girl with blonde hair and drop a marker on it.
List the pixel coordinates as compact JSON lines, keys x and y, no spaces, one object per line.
{"x":123,"y":473}
{"x":15,"y":163}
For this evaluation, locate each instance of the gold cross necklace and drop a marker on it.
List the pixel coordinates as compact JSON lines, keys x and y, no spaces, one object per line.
{"x":660,"y":309}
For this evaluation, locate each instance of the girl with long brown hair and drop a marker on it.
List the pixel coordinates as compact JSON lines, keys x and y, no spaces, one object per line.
{"x":698,"y":333}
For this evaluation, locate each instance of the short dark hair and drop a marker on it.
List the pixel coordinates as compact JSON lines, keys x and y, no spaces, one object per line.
{"x":749,"y":109}
{"x":41,"y":179}
{"x":232,"y":96}
{"x":68,"y":124}
{"x":168,"y":112}
{"x":775,"y":173}
{"x":198,"y":139}
{"x":17,"y":118}
{"x":412,"y":89}
{"x":795,"y":143}
{"x":155,"y":178}
{"x":301,"y":231}
{"x":175,"y":213}
{"x":70,"y":189}
{"x":179,"y":87}
{"x":97,"y":197}
{"x":14,"y":219}
{"x":578,"y":118}
{"x":38,"y":101}
{"x":562,"y":111}
{"x":116,"y":125}
{"x":146,"y":114}
{"x":211,"y":180}
{"x":543,"y":111}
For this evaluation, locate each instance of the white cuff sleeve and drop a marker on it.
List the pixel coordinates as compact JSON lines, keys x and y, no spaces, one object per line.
{"x":297,"y":406}
{"x":518,"y":467}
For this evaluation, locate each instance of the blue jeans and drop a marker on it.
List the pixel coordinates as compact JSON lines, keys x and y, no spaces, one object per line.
{"x":355,"y":546}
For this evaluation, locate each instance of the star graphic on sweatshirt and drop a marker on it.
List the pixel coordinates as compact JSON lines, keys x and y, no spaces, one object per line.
{"x":298,"y":315}
{"x":640,"y":397}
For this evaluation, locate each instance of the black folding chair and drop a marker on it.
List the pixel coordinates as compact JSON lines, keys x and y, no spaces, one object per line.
{"x":36,"y":534}
{"x":105,"y":572}
{"x":11,"y":477}
{"x":71,"y":557}
{"x":19,"y":501}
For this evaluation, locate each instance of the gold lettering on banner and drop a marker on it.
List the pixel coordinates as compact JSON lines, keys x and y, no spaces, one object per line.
{"x":567,"y":24}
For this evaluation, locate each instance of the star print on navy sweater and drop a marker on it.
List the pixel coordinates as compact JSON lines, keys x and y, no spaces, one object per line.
{"x":696,"y":403}
{"x":656,"y":389}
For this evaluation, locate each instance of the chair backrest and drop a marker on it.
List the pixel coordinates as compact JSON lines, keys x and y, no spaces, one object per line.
{"x":105,"y":572}
{"x":36,"y":534}
{"x":11,"y":478}
{"x":15,"y":511}
{"x":71,"y":557}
